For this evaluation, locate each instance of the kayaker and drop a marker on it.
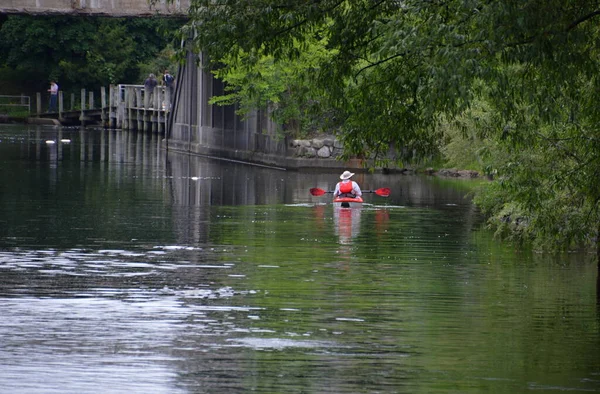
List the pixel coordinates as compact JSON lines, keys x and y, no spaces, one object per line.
{"x":347,"y":188}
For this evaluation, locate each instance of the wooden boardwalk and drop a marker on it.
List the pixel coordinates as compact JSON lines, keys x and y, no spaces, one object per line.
{"x":127,"y":107}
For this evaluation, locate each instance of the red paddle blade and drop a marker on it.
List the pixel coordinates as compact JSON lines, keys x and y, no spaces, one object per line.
{"x":315,"y":191}
{"x":383,"y":192}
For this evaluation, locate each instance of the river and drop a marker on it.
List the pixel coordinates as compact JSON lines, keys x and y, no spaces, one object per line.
{"x":124,"y":268}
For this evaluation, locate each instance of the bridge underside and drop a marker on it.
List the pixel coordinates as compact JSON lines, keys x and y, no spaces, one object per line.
{"x":110,"y":8}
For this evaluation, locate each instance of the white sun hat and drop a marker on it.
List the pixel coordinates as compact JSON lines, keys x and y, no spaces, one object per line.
{"x":346,"y":175}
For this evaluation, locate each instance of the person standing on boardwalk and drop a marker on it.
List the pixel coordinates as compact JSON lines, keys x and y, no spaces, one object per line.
{"x":169,"y":82}
{"x":149,"y":85}
{"x":53,"y":96}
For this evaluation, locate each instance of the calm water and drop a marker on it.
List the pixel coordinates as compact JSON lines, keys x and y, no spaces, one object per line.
{"x":124,"y":269}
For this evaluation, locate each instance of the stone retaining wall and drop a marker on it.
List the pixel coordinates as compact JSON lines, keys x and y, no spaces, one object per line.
{"x":322,"y":148}
{"x":453,"y":173}
{"x":328,"y":148}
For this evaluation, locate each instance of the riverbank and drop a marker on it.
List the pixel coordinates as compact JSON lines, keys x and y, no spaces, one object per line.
{"x":322,"y":152}
{"x":322,"y":149}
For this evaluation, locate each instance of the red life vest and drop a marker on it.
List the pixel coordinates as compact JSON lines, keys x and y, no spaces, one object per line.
{"x":345,"y":187}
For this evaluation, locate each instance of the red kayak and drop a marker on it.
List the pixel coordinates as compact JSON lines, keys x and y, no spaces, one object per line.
{"x":347,"y":201}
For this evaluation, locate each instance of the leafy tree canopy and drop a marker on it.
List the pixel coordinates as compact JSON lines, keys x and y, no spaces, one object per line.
{"x":398,"y":70}
{"x":81,"y":52}
{"x":286,"y":87}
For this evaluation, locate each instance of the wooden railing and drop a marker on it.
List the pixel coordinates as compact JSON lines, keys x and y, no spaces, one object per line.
{"x":134,"y":107}
{"x":9,"y":104}
{"x":129,"y":107}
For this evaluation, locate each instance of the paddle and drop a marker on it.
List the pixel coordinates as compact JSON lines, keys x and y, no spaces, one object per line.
{"x":383,"y":192}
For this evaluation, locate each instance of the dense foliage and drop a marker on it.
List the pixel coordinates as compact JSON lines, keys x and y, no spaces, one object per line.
{"x":80,"y":52}
{"x":519,"y":78}
{"x":285,"y":87}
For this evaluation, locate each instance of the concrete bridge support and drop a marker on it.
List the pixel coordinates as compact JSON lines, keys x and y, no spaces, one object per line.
{"x":202,"y":128}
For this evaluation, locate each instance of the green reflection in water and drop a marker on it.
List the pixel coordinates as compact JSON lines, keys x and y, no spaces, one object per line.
{"x":406,"y":295}
{"x":408,"y":299}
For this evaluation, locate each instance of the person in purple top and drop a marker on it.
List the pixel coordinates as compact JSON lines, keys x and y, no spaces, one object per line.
{"x":149,"y":84}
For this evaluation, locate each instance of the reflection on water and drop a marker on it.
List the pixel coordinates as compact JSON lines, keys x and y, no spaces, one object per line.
{"x":124,"y":268}
{"x":346,"y":222}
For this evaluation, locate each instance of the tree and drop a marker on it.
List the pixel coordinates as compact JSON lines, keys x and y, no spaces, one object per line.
{"x":399,"y":69}
{"x":108,"y":58}
{"x":81,"y":52}
{"x":283,"y":87}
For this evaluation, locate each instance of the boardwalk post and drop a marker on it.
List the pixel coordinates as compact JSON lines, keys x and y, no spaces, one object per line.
{"x":124,"y":121}
{"x":167,"y":107}
{"x":119,"y":107}
{"x":60,"y":105}
{"x":103,"y":106}
{"x":147,"y":103}
{"x":139,"y":114}
{"x":130,"y":101}
{"x":157,"y":125}
{"x":82,"y":116}
{"x":111,"y":106}
{"x":38,"y":97}
{"x":155,"y":102}
{"x":26,"y":101}
{"x":90,"y":100}
{"x":146,"y":97}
